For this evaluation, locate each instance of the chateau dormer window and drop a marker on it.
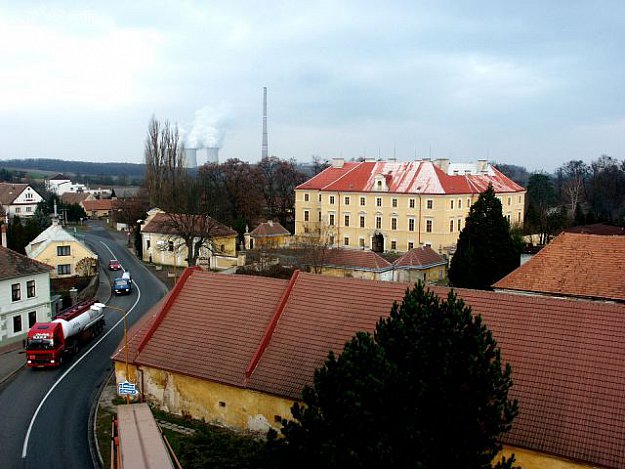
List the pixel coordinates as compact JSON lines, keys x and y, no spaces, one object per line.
{"x":379,"y":183}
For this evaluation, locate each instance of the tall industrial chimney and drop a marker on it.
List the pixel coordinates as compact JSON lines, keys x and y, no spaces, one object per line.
{"x":265,"y":150}
{"x":190,"y":157}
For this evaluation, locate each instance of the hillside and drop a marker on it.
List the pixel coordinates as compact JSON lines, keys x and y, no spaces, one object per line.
{"x":72,"y":168}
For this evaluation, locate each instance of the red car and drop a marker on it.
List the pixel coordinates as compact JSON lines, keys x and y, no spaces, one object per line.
{"x":114,"y":265}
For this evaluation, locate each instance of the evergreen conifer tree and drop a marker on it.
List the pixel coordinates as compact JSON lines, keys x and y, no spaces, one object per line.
{"x":485,"y":252}
{"x":426,"y":390}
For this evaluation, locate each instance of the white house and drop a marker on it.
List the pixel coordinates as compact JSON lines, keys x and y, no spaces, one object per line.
{"x":18,"y":199}
{"x":24,"y":294}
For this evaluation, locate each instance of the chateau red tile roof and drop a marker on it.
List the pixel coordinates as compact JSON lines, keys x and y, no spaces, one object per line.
{"x":161,"y":223}
{"x":269,"y":229}
{"x":423,"y":177}
{"x":575,"y":265}
{"x":422,"y":257}
{"x":354,"y":259}
{"x":269,"y":335}
{"x":13,"y":265}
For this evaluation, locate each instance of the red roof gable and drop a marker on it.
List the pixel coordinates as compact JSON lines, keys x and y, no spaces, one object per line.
{"x":574,"y":264}
{"x":423,"y":177}
{"x":269,"y":229}
{"x":566,"y":355}
{"x":161,"y":223}
{"x":354,"y":258}
{"x":97,"y":204}
{"x":423,"y":256}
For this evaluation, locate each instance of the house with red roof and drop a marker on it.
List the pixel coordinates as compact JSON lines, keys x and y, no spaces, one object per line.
{"x":574,"y":265}
{"x":355,"y":263}
{"x":420,"y":265}
{"x":398,"y":206}
{"x":267,"y":235}
{"x":18,"y":199}
{"x":237,"y":350}
{"x":163,"y":244}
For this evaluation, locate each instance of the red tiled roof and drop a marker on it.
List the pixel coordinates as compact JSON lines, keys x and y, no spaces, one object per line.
{"x":423,"y":177}
{"x":576,"y":265}
{"x":421,"y":257}
{"x":566,"y":355}
{"x":73,"y":197}
{"x":97,"y":204}
{"x":355,"y":259}
{"x":269,"y":229}
{"x":13,"y":265}
{"x":9,"y":192}
{"x":161,"y":223}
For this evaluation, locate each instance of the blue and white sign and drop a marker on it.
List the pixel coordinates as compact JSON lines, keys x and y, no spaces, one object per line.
{"x":125,"y":388}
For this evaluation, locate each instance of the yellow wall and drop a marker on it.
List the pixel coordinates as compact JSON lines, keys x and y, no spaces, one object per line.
{"x":178,"y":257}
{"x":432,"y":274}
{"x":271,"y":242}
{"x":335,"y":272}
{"x":77,"y":253}
{"x":243,"y":409}
{"x":532,"y":460}
{"x":441,"y":214}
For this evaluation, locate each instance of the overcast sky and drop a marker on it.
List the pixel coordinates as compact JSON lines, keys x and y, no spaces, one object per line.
{"x":529,"y":83}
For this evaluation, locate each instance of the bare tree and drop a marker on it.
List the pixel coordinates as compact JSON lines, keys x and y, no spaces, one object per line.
{"x":314,"y":243}
{"x":164,"y":161}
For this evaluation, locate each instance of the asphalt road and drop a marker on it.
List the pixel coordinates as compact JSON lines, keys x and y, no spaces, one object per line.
{"x":44,"y":414}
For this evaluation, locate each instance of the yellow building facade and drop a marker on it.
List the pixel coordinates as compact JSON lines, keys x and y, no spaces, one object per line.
{"x":391,"y":206}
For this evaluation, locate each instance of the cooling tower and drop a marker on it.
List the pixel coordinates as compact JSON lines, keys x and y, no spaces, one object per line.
{"x":190,"y":157}
{"x":212,"y":154}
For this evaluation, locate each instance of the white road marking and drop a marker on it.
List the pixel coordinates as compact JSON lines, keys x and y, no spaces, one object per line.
{"x":57,"y":382}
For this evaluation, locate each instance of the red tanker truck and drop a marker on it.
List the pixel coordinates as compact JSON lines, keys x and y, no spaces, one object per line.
{"x":48,"y":343}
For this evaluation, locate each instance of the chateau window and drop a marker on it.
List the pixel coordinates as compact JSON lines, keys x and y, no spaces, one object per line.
{"x":362,"y":201}
{"x":30,"y":289}
{"x":411,"y":203}
{"x":346,"y":220}
{"x":509,"y":200}
{"x":361,"y":242}
{"x":508,"y":218}
{"x":459,"y":224}
{"x":346,"y":241}
{"x":393,"y":223}
{"x":331,"y":219}
{"x":170,"y":246}
{"x":410,"y":245}
{"x":346,"y":200}
{"x":16,"y":292}
{"x":468,"y":203}
{"x":518,"y":217}
{"x":306,"y":215}
{"x":319,"y":216}
{"x":319,"y":198}
{"x":393,"y":245}
{"x":331,"y":200}
{"x":459,"y":203}
{"x":394,"y":203}
{"x":411,"y":224}
{"x":378,"y":201}
{"x":306,"y":197}
{"x":452,"y":204}
{"x":147,"y":244}
{"x":428,"y":226}
{"x":430,"y":204}
{"x":362,"y":221}
{"x":451,"y":226}
{"x":378,"y":222}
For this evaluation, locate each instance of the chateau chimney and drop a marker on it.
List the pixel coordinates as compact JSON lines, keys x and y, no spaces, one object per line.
{"x":338,"y":162}
{"x":443,"y":164}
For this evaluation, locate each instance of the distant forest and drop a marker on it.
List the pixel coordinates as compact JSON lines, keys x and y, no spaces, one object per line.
{"x":81,"y":171}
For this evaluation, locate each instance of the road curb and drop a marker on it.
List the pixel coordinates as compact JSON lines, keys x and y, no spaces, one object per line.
{"x":94,"y":447}
{"x":10,"y":375}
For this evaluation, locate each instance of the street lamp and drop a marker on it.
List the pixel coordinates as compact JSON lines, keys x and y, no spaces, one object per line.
{"x":124,"y":316}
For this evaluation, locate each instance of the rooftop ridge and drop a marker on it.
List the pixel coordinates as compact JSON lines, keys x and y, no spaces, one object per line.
{"x":271,"y":326}
{"x":356,"y":166}
{"x":161,"y":315}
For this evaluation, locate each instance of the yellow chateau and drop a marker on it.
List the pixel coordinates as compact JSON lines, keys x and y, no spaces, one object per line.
{"x":397,"y":206}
